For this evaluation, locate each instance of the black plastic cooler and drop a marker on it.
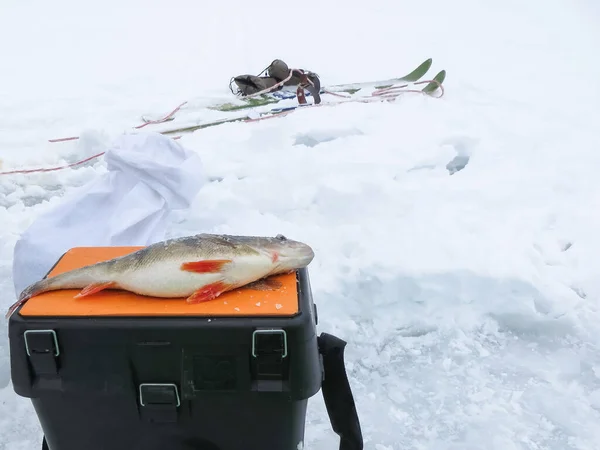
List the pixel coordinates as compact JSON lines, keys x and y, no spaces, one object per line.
{"x":233,"y":375}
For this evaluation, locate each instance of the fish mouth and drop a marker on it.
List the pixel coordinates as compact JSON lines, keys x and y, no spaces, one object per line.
{"x":286,"y":254}
{"x":289,"y":259}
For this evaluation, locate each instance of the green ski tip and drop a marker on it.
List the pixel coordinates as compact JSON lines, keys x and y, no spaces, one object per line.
{"x":415,"y":75}
{"x":432,"y":85}
{"x":418,"y":72}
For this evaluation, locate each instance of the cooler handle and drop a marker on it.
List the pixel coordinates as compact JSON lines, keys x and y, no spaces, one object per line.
{"x":338,"y":394}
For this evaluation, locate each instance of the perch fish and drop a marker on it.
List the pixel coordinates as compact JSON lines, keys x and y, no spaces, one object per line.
{"x":199,"y":267}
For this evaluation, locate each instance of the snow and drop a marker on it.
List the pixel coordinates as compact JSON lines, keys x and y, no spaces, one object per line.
{"x":456,"y":239}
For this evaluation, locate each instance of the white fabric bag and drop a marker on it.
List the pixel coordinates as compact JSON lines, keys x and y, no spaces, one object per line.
{"x":149,"y":175}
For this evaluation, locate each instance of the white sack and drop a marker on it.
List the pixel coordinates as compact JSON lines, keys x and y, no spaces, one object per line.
{"x":149,"y":175}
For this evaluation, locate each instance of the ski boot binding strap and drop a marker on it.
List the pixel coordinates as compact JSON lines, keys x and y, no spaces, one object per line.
{"x":278,"y":76}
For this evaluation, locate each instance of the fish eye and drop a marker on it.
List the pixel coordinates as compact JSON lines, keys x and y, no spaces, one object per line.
{"x":281,"y":237}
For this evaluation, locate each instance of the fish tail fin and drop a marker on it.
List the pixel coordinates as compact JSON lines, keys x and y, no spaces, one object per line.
{"x":62,"y":281}
{"x":35,"y":288}
{"x":13,"y":308}
{"x":26,"y":294}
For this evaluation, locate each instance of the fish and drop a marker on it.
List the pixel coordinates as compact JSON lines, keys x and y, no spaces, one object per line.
{"x":199,"y":267}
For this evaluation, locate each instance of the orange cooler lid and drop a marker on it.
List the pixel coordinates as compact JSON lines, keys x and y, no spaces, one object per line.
{"x":241,"y":302}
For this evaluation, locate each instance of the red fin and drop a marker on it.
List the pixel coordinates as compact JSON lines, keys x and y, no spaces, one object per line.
{"x":207,"y":266}
{"x":208,"y":292}
{"x":94,"y":288}
{"x":275,"y":257}
{"x":264,"y":284}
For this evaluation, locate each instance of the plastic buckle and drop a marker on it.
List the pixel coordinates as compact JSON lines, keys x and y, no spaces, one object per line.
{"x":159,"y":402}
{"x":159,"y":393}
{"x":51,"y":332}
{"x":269,"y":364}
{"x":42,"y":349}
{"x":270,"y":332}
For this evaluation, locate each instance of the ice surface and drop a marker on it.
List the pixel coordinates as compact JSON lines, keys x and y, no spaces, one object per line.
{"x":469,"y":298}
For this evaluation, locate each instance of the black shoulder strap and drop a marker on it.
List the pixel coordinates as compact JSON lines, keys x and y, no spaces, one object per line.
{"x":338,"y":394}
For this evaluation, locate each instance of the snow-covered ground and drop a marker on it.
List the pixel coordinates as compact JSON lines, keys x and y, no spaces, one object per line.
{"x":469,"y":299}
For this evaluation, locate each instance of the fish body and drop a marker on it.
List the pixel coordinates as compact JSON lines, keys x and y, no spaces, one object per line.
{"x":199,"y":267}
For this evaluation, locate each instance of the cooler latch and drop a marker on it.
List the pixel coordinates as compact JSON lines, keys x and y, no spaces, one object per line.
{"x":269,"y":353}
{"x":43,"y":350}
{"x":159,"y":402}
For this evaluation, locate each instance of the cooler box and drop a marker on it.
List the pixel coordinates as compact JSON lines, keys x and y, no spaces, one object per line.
{"x":118,"y":371}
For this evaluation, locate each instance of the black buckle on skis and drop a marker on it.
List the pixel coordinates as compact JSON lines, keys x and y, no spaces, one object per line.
{"x":43,"y":350}
{"x":269,"y":359}
{"x":159,"y":401}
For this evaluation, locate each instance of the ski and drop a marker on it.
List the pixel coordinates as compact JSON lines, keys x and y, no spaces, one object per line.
{"x":411,"y":77}
{"x":348,"y":88}
{"x":431,"y":86}
{"x":379,"y":90}
{"x":290,"y":93}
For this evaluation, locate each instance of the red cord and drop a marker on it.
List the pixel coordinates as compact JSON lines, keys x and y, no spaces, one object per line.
{"x":53,"y":168}
{"x":387,"y":93}
{"x":164,"y":119}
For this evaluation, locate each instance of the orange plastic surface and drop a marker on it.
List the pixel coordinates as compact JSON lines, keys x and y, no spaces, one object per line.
{"x":240,"y":302}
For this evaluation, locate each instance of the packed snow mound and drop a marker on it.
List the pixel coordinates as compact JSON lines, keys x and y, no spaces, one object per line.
{"x":455,"y":238}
